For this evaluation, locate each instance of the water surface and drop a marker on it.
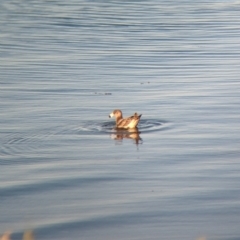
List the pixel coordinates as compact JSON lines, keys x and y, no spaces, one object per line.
{"x":66,"y":172}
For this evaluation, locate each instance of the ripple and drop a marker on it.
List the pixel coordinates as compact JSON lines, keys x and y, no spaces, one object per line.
{"x":153,"y":125}
{"x":17,"y":144}
{"x":145,"y":126}
{"x":23,"y":143}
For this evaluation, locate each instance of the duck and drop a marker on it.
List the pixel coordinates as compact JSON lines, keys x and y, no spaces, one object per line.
{"x":126,"y":123}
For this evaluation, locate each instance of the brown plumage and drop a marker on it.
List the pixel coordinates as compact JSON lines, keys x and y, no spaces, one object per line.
{"x":130,"y":122}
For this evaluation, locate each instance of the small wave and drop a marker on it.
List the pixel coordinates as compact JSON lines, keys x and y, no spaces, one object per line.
{"x":152,"y":125}
{"x":19,"y":144}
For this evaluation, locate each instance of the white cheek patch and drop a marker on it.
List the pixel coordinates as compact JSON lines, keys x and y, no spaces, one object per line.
{"x":111,"y":115}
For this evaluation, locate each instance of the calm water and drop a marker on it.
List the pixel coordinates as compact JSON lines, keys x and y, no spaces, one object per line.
{"x":66,"y":173}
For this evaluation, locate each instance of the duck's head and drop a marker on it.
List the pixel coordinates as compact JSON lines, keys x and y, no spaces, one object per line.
{"x":116,"y":113}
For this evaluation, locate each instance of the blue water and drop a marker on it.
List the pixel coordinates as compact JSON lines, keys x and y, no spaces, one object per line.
{"x":66,"y":173}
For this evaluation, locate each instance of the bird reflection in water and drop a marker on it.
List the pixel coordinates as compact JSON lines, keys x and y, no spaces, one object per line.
{"x":131,"y":133}
{"x":27,"y":235}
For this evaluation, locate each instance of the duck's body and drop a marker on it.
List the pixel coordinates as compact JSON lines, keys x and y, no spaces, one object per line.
{"x":126,"y":123}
